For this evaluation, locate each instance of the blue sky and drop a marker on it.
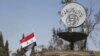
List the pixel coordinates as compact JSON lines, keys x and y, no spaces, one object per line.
{"x":27,"y":16}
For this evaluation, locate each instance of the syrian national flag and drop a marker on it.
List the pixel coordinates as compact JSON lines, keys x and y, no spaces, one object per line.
{"x":28,"y":42}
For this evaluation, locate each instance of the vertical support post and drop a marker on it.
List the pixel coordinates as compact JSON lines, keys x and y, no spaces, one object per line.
{"x":72,"y":45}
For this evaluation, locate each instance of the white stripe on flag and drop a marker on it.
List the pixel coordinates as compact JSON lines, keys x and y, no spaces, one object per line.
{"x":28,"y":42}
{"x":30,"y":46}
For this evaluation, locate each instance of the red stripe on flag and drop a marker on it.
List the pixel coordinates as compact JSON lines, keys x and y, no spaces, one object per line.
{"x":27,"y":37}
